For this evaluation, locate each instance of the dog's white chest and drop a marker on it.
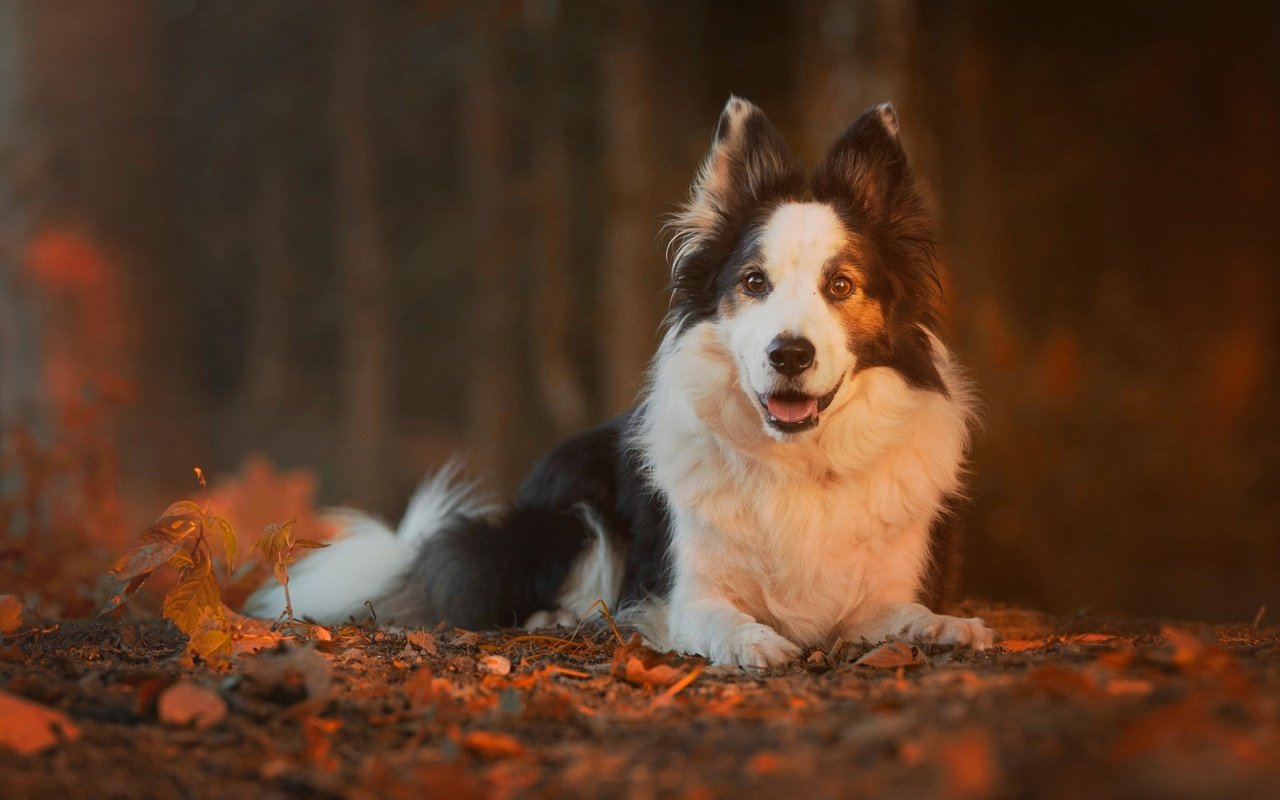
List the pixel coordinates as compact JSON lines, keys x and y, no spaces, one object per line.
{"x":806,"y":558}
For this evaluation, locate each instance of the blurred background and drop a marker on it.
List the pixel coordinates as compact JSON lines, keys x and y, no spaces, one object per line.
{"x":317,"y":247}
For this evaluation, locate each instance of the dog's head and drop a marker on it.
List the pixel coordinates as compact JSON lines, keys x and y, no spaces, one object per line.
{"x":807,"y":280}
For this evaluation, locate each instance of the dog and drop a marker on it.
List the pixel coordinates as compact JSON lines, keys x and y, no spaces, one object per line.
{"x":785,"y":478}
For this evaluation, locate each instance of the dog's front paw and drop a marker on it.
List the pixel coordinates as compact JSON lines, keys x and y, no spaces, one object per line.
{"x":942,"y":629}
{"x":754,"y":645}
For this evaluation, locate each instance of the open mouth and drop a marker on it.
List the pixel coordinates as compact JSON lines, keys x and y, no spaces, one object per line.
{"x":792,"y":412}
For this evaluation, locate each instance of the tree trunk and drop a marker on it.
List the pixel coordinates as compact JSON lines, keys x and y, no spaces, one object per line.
{"x":631,"y":255}
{"x":494,"y":393}
{"x":363,"y":266}
{"x":560,"y":385}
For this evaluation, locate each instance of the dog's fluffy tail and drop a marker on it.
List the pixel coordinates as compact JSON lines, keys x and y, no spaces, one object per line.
{"x":368,"y":562}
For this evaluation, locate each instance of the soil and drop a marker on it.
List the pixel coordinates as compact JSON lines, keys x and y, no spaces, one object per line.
{"x":1064,"y":708}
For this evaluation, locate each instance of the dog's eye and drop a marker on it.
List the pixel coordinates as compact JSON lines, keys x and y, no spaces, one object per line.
{"x":840,"y":287}
{"x":754,"y":283}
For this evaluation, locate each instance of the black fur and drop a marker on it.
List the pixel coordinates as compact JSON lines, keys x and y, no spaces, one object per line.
{"x":700,"y":279}
{"x":866,"y":179}
{"x":493,"y":573}
{"x":941,"y":582}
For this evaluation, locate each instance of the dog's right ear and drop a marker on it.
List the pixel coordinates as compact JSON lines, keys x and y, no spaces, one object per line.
{"x":747,"y":167}
{"x":748,"y":164}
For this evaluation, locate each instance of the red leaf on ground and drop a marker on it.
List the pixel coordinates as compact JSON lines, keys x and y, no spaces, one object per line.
{"x":10,"y":613}
{"x":189,"y":704}
{"x":641,"y":665}
{"x":968,"y":764}
{"x":892,"y":655}
{"x":27,"y":727}
{"x":488,"y":744}
{"x":423,"y":640}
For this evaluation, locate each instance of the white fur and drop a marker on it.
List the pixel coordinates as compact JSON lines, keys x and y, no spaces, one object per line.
{"x":794,"y":248}
{"x":783,"y":540}
{"x":332,"y":585}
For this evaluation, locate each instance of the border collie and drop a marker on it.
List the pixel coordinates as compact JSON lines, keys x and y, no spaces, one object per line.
{"x":784,"y":479}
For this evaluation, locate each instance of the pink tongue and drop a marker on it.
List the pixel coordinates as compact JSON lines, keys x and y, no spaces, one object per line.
{"x":791,"y":410}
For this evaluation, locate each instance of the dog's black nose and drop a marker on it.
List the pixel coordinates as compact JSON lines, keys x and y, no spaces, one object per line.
{"x":791,"y":355}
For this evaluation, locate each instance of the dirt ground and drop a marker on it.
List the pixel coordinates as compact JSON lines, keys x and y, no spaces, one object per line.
{"x":1064,"y":708}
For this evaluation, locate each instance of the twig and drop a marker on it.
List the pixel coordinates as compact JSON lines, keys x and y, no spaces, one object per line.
{"x":675,"y":688}
{"x":604,"y":609}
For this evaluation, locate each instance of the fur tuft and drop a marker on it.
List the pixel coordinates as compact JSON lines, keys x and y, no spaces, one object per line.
{"x":366,"y":562}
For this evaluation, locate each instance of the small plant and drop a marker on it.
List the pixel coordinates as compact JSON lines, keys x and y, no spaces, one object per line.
{"x":180,"y":538}
{"x":279,"y":548}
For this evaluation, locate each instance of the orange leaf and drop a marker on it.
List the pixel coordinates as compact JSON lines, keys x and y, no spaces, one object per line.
{"x":891,"y":655}
{"x":230,"y":545}
{"x":181,"y":560}
{"x":28,"y":727}
{"x":422,"y":640}
{"x":182,"y":508}
{"x":488,"y":744}
{"x":196,"y":597}
{"x":10,"y":613}
{"x":637,"y":673}
{"x":189,"y":704}
{"x":155,"y":545}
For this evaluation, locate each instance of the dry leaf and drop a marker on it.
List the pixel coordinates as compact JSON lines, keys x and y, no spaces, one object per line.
{"x":318,"y":733}
{"x":640,"y":665}
{"x":10,"y":613}
{"x":27,"y":727}
{"x":488,"y":744}
{"x":424,"y":641}
{"x":496,"y":665}
{"x":189,"y":704}
{"x":638,"y":674}
{"x":892,"y":655}
{"x":968,"y":764}
{"x":292,"y":666}
{"x":1022,"y":645}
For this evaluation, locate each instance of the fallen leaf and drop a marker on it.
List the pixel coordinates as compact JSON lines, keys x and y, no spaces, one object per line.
{"x":968,"y":764}
{"x":423,"y":640}
{"x":640,"y":665}
{"x":10,"y":613}
{"x":495,"y":665}
{"x":189,"y":704}
{"x":638,"y":674}
{"x":1091,"y":638}
{"x":765,"y":762}
{"x":292,"y":666}
{"x":1188,"y":648}
{"x":318,"y":733}
{"x":892,"y":655}
{"x":27,"y":727}
{"x":1021,"y":645}
{"x":1128,"y":686}
{"x":488,"y":744}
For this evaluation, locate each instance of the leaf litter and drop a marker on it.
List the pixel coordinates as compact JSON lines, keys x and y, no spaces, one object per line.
{"x":1086,"y":706}
{"x":1140,"y":709}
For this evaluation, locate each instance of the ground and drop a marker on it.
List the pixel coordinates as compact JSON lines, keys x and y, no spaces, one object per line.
{"x":1064,"y":708}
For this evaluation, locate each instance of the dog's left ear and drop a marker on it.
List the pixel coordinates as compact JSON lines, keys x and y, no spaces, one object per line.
{"x":868,"y":167}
